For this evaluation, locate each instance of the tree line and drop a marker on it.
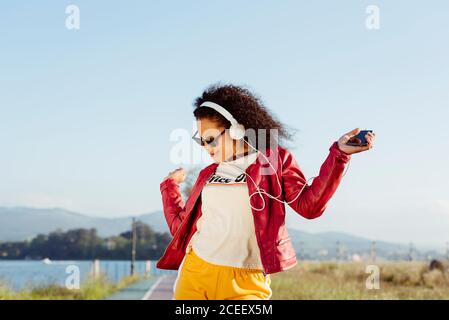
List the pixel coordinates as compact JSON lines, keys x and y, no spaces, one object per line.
{"x":85,"y":244}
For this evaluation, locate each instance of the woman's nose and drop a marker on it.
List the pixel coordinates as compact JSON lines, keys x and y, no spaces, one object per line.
{"x":208,"y":148}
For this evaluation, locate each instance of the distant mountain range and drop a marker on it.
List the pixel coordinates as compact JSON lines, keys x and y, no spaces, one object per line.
{"x":325,"y":245}
{"x":20,"y":223}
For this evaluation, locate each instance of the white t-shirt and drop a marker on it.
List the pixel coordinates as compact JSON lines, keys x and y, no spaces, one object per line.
{"x":225,"y":231}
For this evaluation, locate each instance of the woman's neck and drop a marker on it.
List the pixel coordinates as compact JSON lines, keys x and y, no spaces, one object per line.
{"x":241,"y":152}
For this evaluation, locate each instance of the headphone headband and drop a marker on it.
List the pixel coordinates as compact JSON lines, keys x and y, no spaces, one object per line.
{"x":225,"y":113}
{"x":236,"y":131}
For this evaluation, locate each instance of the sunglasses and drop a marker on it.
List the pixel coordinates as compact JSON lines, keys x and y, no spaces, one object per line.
{"x":212,"y":141}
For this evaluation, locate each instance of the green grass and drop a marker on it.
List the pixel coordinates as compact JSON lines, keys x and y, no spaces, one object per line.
{"x":346,"y":280}
{"x":92,"y":289}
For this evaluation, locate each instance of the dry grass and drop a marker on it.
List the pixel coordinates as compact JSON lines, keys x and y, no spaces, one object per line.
{"x":92,"y":289}
{"x":346,"y":280}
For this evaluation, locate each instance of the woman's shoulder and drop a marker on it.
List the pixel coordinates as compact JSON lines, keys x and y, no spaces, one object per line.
{"x":276,"y":156}
{"x":278,"y":151}
{"x":209,"y":168}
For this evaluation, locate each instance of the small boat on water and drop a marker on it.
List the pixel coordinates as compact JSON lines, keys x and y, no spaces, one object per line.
{"x":46,"y":261}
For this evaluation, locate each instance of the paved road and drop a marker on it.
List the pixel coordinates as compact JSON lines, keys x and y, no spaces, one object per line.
{"x":154,"y":288}
{"x":162,"y":289}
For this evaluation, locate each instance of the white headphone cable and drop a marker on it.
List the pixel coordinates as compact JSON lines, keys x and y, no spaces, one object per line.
{"x":262,"y":191}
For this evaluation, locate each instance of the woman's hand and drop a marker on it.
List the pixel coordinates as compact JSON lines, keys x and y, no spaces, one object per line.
{"x":370,"y":136}
{"x":178,"y":175}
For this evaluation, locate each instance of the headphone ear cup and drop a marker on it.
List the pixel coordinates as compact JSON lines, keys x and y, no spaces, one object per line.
{"x":237,"y":132}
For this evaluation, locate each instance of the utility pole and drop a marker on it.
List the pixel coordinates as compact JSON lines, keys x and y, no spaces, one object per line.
{"x":373,"y":251}
{"x":410,"y":253}
{"x":301,"y":250}
{"x":447,"y":251}
{"x":133,"y":248}
{"x":338,"y":251}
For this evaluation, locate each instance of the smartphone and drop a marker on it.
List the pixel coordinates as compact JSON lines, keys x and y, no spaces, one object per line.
{"x":359,"y":140}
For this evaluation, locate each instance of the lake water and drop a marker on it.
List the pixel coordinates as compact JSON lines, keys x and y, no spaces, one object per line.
{"x":20,"y":274}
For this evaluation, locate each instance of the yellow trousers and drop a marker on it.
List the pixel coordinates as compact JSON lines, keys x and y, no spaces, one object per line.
{"x":200,"y":280}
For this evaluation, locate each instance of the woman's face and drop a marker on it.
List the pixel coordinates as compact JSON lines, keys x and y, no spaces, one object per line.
{"x":224,"y":147}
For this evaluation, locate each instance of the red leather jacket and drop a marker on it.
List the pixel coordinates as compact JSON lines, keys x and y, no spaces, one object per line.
{"x":276,"y":249}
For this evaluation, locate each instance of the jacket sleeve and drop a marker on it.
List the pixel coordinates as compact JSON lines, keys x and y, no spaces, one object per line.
{"x":173,"y":204}
{"x":313,"y":200}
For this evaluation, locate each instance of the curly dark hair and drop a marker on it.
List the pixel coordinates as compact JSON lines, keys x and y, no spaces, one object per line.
{"x":245,"y":107}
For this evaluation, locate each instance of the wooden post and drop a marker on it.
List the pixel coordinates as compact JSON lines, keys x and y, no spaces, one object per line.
{"x":147,"y":268}
{"x":95,"y":271}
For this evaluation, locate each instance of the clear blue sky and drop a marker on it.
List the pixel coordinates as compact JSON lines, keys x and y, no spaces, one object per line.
{"x":86,"y":115}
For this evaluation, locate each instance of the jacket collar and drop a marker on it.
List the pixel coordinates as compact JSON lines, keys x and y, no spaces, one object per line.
{"x":253,"y":169}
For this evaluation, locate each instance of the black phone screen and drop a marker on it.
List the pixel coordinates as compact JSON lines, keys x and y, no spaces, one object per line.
{"x":359,"y":139}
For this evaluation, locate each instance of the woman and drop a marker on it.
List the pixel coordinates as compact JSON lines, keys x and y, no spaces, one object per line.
{"x":230,"y":235}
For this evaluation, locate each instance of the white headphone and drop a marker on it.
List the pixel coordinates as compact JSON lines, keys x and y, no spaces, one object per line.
{"x":237,"y":132}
